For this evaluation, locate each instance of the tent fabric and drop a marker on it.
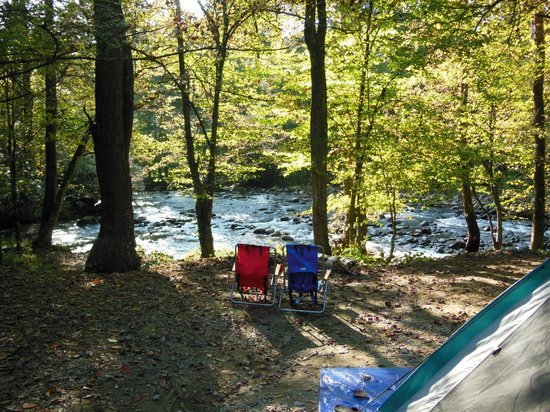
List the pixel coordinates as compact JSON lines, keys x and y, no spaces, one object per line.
{"x":506,"y":344}
{"x":517,"y":378}
{"x":252,"y":266}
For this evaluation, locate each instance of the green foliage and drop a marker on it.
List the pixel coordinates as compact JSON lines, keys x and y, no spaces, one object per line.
{"x":400,"y":130}
{"x":356,"y":253}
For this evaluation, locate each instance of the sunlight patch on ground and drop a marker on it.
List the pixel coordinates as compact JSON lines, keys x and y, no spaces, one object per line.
{"x":471,"y":278}
{"x":93,"y":282}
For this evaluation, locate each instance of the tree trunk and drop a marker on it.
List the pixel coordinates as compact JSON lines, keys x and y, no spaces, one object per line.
{"x":12,"y":155}
{"x":44,"y":237}
{"x":500,"y":216}
{"x":203,"y":209}
{"x":115,"y":247}
{"x":537,"y":231}
{"x":314,"y":35}
{"x":489,"y":166}
{"x":11,"y":116}
{"x":50,"y":180}
{"x":354,"y":218}
{"x":204,"y":191}
{"x":472,"y":243}
{"x":393,"y":216}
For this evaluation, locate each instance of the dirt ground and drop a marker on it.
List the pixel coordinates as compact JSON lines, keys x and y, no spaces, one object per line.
{"x":167,"y":338}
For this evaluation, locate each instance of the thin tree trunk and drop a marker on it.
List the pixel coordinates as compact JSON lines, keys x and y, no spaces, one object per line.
{"x":353,"y":219}
{"x":204,"y":191}
{"x":44,"y":237}
{"x":12,"y":155}
{"x":473,"y":241}
{"x":537,"y":232}
{"x":494,"y":233}
{"x":50,"y":180}
{"x":489,"y":166}
{"x":115,"y":247}
{"x":12,"y":162}
{"x":314,"y":33}
{"x":500,"y":216}
{"x":393,"y":216}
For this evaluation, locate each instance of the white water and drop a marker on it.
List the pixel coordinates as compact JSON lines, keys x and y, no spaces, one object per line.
{"x":166,"y":223}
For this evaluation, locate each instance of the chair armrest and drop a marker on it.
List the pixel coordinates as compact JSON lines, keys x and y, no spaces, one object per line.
{"x":278,"y":268}
{"x":327,"y":274}
{"x":233,"y":268}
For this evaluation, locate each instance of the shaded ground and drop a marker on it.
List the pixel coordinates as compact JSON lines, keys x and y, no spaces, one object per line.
{"x":167,"y":339}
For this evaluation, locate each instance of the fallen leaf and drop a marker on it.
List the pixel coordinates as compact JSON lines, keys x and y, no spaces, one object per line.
{"x":361,"y":394}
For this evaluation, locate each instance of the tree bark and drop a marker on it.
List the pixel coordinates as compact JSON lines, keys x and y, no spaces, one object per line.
{"x":50,"y":180}
{"x":11,"y":118}
{"x":12,"y":156}
{"x":472,"y":243}
{"x":354,"y":228}
{"x":473,"y":240}
{"x":203,"y":189}
{"x":115,"y":247}
{"x":44,"y":238}
{"x":315,"y":28}
{"x":538,"y":224}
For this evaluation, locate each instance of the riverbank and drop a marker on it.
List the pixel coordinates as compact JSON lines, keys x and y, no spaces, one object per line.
{"x":166,"y":338}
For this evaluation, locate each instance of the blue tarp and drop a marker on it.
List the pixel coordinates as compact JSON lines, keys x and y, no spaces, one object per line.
{"x":347,"y":387}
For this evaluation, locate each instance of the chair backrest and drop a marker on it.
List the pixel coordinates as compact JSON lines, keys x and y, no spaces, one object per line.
{"x":252,"y":265}
{"x":302,"y":267}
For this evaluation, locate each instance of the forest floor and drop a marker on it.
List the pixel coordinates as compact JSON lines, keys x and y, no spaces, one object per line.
{"x":167,"y":338}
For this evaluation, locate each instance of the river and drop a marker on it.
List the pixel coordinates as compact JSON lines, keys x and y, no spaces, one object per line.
{"x":165,"y":222}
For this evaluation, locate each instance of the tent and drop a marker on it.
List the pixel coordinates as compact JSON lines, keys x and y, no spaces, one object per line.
{"x":497,"y":361}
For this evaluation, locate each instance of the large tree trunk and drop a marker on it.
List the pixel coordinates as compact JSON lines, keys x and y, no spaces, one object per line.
{"x":314,"y":34}
{"x":472,"y":243}
{"x":537,"y":232}
{"x":115,"y":247}
{"x":50,"y":180}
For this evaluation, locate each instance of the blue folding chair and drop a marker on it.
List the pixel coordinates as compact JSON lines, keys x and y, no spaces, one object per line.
{"x":302,"y":277}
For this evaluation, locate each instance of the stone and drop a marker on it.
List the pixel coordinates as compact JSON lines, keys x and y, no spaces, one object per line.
{"x":287,"y":238}
{"x":457,"y":245}
{"x":87,"y":220}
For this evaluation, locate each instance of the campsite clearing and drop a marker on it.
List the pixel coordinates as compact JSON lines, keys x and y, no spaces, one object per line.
{"x":166,"y":338}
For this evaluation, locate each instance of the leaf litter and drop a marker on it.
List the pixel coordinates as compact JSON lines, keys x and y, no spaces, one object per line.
{"x":166,"y":338}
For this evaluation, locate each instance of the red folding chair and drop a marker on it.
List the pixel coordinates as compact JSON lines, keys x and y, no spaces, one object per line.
{"x":254,"y":281}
